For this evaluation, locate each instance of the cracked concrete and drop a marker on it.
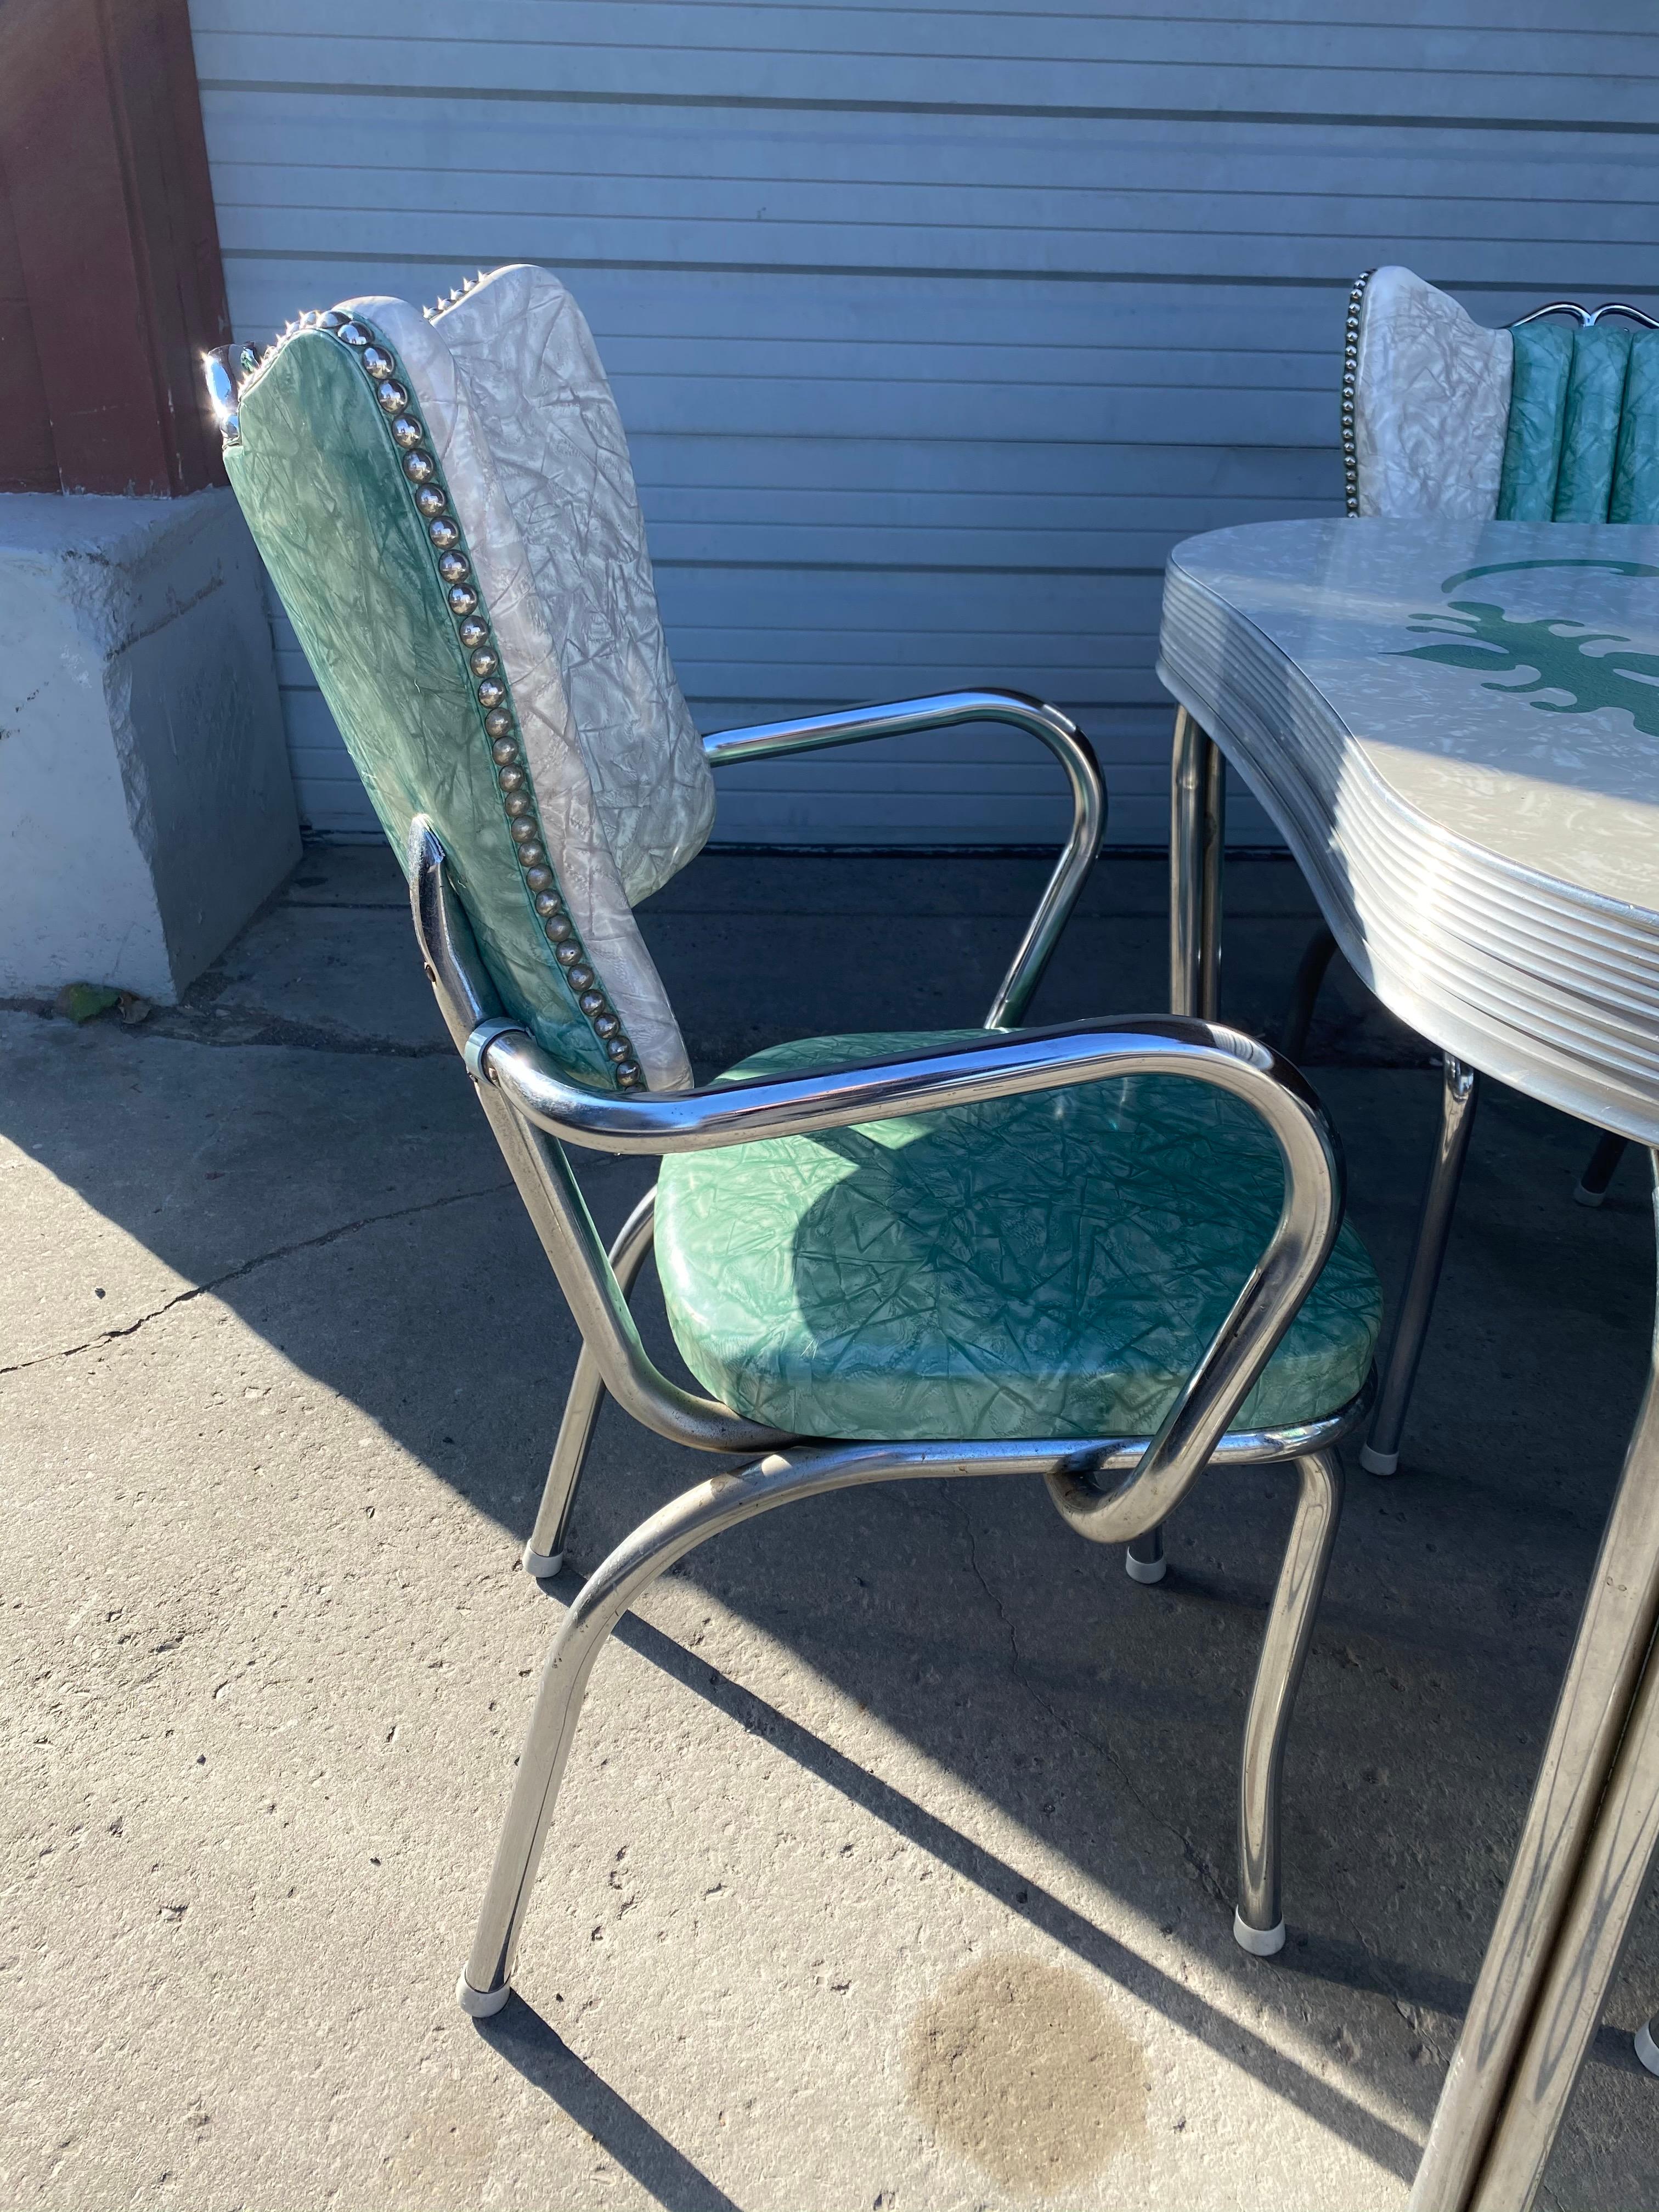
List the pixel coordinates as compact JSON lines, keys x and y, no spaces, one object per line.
{"x":247,"y":1267}
{"x":895,"y":1863}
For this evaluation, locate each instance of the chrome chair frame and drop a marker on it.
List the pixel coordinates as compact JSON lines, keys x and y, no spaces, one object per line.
{"x":1109,"y":1490}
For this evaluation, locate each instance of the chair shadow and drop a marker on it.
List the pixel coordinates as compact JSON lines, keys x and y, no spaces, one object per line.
{"x":1060,"y":1923}
{"x":533,"y":2048}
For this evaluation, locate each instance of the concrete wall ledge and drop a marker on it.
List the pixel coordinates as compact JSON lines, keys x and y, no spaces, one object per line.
{"x":146,"y":804}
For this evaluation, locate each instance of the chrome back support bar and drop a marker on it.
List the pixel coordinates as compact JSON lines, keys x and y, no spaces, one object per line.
{"x":944,"y":710}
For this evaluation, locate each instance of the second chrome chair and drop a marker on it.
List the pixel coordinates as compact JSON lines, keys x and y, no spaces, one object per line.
{"x":1555,"y":418}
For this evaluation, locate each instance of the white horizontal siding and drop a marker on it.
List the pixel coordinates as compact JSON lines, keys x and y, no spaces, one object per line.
{"x":933,"y":327}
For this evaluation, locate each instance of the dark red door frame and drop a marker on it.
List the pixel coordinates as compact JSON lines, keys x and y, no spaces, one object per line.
{"x":111,"y":285}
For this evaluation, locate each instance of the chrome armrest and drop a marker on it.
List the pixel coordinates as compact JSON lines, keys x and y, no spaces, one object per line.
{"x":857,"y":725}
{"x":502,"y":1052}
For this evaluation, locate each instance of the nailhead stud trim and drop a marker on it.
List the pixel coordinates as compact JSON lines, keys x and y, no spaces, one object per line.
{"x":1350,"y":378}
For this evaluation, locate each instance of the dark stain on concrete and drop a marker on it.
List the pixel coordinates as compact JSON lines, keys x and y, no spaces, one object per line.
{"x":1024,"y":2068}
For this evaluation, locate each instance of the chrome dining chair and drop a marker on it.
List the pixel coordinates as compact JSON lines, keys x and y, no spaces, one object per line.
{"x":1554,"y":418}
{"x":1107,"y":1255}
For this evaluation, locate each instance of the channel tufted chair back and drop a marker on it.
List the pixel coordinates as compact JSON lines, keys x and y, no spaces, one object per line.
{"x":445,"y":502}
{"x":1555,"y":419}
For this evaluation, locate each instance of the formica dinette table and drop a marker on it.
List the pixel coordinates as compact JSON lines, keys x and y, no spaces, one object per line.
{"x":1455,"y":725}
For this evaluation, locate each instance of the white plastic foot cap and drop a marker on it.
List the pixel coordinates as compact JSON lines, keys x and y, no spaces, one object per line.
{"x":480,"y":2002}
{"x":1588,"y":1197}
{"x":1646,"y":2049}
{"x":1145,"y":1570}
{"x":542,"y":1567}
{"x":1377,"y":1463}
{"x":1261,"y":1943}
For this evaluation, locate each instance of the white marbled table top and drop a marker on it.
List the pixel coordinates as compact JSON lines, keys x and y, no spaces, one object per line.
{"x":1502,"y":677}
{"x":1456,"y":724}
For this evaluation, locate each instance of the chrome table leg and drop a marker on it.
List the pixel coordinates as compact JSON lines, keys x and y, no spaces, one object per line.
{"x":1215,"y":855}
{"x":1610,"y":1883}
{"x":1574,"y":1880}
{"x":544,"y":1555}
{"x":1258,"y":1922}
{"x":1198,"y":843}
{"x":1187,"y":765}
{"x":1197,"y":789}
{"x":1304,"y":993}
{"x":1592,"y":1186}
{"x":1460,"y":1089}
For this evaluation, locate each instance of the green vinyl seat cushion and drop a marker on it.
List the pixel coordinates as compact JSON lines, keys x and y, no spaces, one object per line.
{"x":1047,"y":1266}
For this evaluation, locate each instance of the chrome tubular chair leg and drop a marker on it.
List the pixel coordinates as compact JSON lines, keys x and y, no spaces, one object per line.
{"x":1516,"y":2060}
{"x":543,"y":1554}
{"x":1460,"y":1090}
{"x":1592,"y":1187}
{"x":726,"y":1499}
{"x":689,"y":1520}
{"x":1258,"y":1922}
{"x":1304,"y":994}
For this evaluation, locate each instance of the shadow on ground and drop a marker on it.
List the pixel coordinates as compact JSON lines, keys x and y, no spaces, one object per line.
{"x":536,"y":2050}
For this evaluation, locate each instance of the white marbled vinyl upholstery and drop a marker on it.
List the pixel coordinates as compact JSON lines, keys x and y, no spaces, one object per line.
{"x":528,"y":357}
{"x":1432,"y":403}
{"x":624,"y":790}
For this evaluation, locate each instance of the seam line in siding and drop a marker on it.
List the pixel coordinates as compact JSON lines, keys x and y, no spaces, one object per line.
{"x":902,"y":568}
{"x":1032,"y":111}
{"x":1231,"y":281}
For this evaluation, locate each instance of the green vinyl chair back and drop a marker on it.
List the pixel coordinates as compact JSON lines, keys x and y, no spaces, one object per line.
{"x":1554,"y":419}
{"x":1583,"y":439}
{"x":446,"y":505}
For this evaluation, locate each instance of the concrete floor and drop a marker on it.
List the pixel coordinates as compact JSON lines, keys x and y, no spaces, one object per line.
{"x":894,"y":1868}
